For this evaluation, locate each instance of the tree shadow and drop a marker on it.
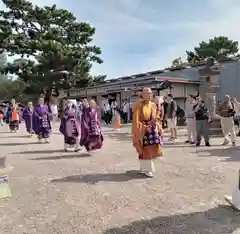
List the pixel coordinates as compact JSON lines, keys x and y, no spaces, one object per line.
{"x":96,"y":178}
{"x":19,"y":143}
{"x":219,"y":220}
{"x":59,"y":157}
{"x":231,"y":154}
{"x":39,"y":152}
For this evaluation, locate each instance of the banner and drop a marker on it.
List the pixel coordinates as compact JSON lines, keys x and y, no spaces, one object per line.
{"x":5,"y":190}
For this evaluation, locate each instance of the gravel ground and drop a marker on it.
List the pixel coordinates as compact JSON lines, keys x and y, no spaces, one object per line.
{"x":68,"y":193}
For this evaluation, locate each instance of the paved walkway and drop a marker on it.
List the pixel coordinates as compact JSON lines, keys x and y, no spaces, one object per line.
{"x":68,"y":193}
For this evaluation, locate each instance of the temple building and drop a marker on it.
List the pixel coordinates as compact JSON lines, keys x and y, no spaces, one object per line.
{"x":181,"y":83}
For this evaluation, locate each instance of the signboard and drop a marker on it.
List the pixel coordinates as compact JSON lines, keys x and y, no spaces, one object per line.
{"x":5,"y":190}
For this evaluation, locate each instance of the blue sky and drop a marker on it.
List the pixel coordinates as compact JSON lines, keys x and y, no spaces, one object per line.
{"x":139,"y":35}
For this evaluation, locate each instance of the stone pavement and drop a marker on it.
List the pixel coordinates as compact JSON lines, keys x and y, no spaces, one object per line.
{"x":68,"y":193}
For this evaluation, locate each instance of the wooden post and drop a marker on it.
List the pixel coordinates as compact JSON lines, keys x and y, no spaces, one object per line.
{"x":234,"y":200}
{"x":2,"y":162}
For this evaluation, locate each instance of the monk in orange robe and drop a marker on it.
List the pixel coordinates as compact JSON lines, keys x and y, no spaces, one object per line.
{"x":147,"y":132}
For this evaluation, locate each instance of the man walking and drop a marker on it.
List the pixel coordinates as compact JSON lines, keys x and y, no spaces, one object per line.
{"x":146,"y":133}
{"x":203,"y":119}
{"x":227,"y":112}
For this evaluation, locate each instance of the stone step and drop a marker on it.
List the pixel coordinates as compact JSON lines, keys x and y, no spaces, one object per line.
{"x":215,"y":131}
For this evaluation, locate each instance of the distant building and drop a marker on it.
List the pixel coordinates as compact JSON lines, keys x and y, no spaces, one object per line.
{"x":183,"y":81}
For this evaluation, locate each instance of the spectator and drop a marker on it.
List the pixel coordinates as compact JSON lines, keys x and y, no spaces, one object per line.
{"x":172,"y":117}
{"x":190,"y":118}
{"x":236,"y":105}
{"x":202,"y":122}
{"x":165,"y":105}
{"x":226,"y":112}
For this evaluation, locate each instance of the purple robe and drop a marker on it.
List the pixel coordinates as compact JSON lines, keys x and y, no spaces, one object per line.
{"x":91,"y":135}
{"x":41,"y":121}
{"x":27,"y":115}
{"x":69,"y":126}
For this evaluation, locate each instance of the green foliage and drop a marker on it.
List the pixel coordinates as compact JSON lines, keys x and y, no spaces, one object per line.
{"x":178,"y":63}
{"x":216,"y":48}
{"x":3,"y":77}
{"x":51,"y":46}
{"x":13,"y":89}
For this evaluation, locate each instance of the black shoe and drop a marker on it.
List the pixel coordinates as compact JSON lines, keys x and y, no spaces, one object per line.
{"x":192,"y":142}
{"x":207,"y":144}
{"x":198,"y":144}
{"x":187,"y":141}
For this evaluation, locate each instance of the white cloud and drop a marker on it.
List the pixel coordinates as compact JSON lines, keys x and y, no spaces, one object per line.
{"x":122,"y":24}
{"x":226,"y":25}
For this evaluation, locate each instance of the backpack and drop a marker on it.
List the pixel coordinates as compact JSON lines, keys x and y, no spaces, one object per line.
{"x":180,"y":112}
{"x":232,"y":112}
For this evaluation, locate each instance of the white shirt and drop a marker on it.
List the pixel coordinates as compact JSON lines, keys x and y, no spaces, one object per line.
{"x":54,"y":109}
{"x":237,"y":108}
{"x":189,"y":112}
{"x":114,"y":104}
{"x":125,"y":107}
{"x":106,"y":107}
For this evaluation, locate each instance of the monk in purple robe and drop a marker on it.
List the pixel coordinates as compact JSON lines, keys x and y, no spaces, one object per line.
{"x":69,"y":127}
{"x":28,"y":118}
{"x":41,"y":121}
{"x":91,"y":135}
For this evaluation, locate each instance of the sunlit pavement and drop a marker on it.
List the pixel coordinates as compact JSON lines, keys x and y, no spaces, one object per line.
{"x":65,"y":193}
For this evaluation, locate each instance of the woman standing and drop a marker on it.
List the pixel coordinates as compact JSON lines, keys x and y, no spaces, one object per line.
{"x":41,"y":121}
{"x":69,"y":127}
{"x":91,"y":136}
{"x":28,"y":118}
{"x":12,"y":116}
{"x":54,"y":110}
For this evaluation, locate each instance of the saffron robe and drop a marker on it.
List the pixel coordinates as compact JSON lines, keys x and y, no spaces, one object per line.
{"x":146,"y":119}
{"x":28,"y":118}
{"x":69,"y":126}
{"x":12,"y":117}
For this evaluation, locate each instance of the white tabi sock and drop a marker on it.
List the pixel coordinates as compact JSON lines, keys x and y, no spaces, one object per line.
{"x":66,"y":146}
{"x":46,"y":140}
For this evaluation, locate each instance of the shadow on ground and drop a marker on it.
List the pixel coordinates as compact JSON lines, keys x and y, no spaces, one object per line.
{"x":15,"y":137}
{"x":39,"y":152}
{"x":176,"y":144}
{"x":119,"y":136}
{"x":19,"y":143}
{"x":4,"y":132}
{"x":231,"y":154}
{"x":96,"y":178}
{"x":219,"y":220}
{"x":66,"y":156}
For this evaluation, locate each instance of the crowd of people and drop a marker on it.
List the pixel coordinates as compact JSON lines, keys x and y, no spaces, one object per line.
{"x":80,"y":123}
{"x":199,"y":120}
